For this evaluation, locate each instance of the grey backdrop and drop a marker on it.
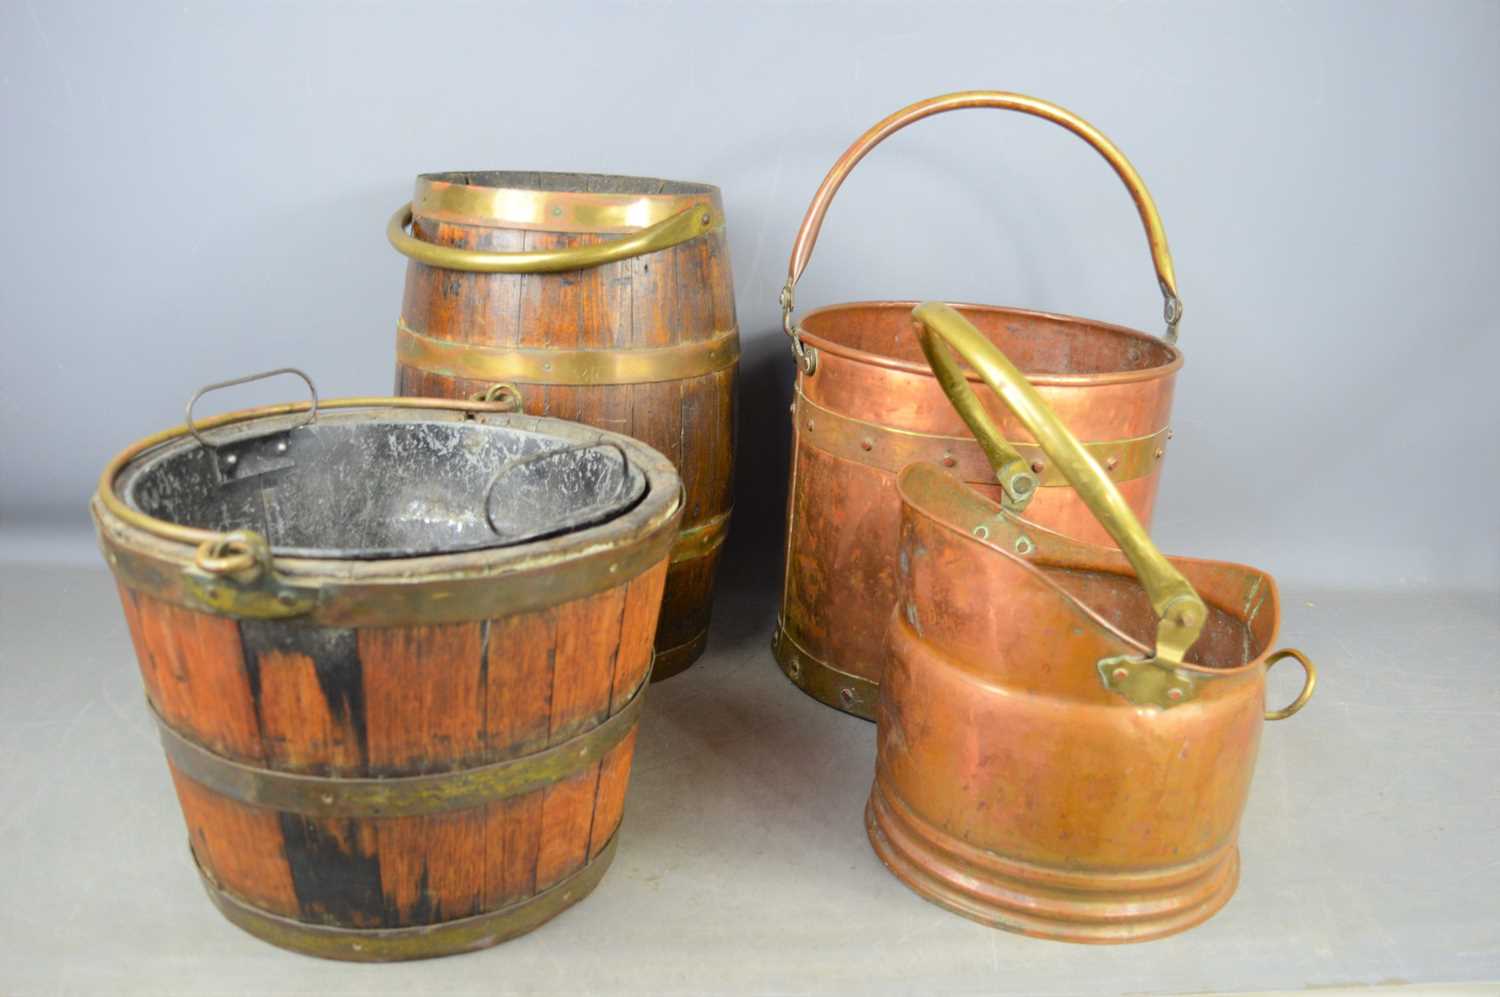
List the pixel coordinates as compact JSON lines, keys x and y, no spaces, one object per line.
{"x":197,"y":191}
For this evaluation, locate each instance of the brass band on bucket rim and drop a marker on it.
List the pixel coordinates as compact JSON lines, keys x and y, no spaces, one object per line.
{"x":540,"y":365}
{"x":418,"y":941}
{"x":893,"y":449}
{"x":401,"y":796}
{"x":550,"y":210}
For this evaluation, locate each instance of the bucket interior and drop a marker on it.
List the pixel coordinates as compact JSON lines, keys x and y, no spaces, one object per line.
{"x":1229,"y":639}
{"x":1034,"y":342}
{"x":366,"y":488}
{"x":582,"y":183}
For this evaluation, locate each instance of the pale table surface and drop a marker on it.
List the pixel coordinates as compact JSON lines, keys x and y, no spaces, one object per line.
{"x":1370,"y":847}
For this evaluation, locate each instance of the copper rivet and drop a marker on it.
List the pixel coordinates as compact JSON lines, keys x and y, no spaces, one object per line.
{"x":1121,"y":674}
{"x":948,"y":460}
{"x":1037,"y":466}
{"x":1174,"y":694}
{"x":866,"y":444}
{"x":1112,"y":463}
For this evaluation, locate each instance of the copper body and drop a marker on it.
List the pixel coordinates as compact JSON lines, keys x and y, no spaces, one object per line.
{"x":1011,"y":785}
{"x":1107,"y":383}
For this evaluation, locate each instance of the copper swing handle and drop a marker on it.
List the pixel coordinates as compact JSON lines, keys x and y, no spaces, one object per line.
{"x":689,"y":223}
{"x":812,"y":222}
{"x":943,"y":331}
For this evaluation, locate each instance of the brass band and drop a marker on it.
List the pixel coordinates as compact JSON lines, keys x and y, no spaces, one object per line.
{"x":892,"y":449}
{"x":550,"y":366}
{"x":548,"y":210}
{"x":419,"y":941}
{"x":853,"y":694}
{"x":701,"y":540}
{"x":672,"y":660}
{"x":404,"y":796}
{"x":693,"y":221}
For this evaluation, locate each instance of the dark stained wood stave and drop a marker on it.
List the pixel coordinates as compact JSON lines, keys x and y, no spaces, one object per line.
{"x":393,"y":701}
{"x":681,"y":294}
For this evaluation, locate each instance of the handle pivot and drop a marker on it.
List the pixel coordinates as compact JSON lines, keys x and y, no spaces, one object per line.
{"x":812,"y":222}
{"x":1180,"y":612}
{"x":689,"y":223}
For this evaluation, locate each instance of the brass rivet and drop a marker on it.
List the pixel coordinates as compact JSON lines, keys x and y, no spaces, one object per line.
{"x":1037,"y":467}
{"x":1174,"y":694}
{"x":809,"y":425}
{"x":1120,"y":674}
{"x":285,"y":598}
{"x":1112,"y":463}
{"x":794,"y":670}
{"x":1159,"y":452}
{"x":1169,"y":434}
{"x":846,"y":696}
{"x":706,"y":218}
{"x":557,"y":211}
{"x":867,"y":444}
{"x":948,"y":460}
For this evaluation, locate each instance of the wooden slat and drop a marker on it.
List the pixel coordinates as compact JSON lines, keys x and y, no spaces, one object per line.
{"x":609,"y":798}
{"x":241,"y":846}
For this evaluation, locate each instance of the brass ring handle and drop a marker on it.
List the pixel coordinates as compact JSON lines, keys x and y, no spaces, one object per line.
{"x":1309,"y":683}
{"x":689,"y":223}
{"x":244,"y":553}
{"x":943,"y":331}
{"x":812,"y":222}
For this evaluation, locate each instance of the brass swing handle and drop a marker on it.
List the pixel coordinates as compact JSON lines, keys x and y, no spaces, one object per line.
{"x":943,"y":331}
{"x":812,"y":222}
{"x":689,"y":223}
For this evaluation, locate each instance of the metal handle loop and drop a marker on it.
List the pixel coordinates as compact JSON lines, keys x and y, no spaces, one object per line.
{"x":1310,"y":682}
{"x":312,"y":412}
{"x":242,"y":553}
{"x":503,"y":394}
{"x":689,"y":223}
{"x":1180,"y":612}
{"x":511,"y":466}
{"x":812,"y":222}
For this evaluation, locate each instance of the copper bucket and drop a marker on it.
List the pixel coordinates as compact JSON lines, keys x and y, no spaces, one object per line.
{"x":1041,"y":768}
{"x":866,"y":405}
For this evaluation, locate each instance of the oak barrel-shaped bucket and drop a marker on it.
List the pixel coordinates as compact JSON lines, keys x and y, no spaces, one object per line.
{"x":604,"y":299}
{"x":397,"y":650}
{"x":866,"y":405}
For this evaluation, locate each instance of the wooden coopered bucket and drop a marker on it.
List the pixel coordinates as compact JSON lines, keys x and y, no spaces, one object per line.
{"x":866,"y":405}
{"x":604,"y":299}
{"x":398,"y":704}
{"x":1066,"y":732}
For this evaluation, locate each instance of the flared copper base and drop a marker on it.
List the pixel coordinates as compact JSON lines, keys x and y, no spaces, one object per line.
{"x":1093,"y":906}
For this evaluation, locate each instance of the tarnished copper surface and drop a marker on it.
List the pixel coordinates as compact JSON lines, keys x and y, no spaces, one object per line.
{"x":1106,"y":382}
{"x":1012,"y":784}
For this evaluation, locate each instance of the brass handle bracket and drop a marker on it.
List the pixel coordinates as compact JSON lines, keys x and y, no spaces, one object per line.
{"x":807,"y":356}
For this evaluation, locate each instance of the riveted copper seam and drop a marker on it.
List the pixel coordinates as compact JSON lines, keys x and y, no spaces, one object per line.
{"x":820,"y":680}
{"x":420,"y":941}
{"x":701,"y":540}
{"x":328,"y":796}
{"x":551,"y":366}
{"x":544,"y":210}
{"x":892,"y":449}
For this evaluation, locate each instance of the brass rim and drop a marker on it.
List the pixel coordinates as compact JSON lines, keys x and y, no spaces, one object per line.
{"x":550,"y":210}
{"x":851,"y":694}
{"x":326,"y":796}
{"x":892,"y":449}
{"x":691,"y":222}
{"x":548,"y":366}
{"x":420,"y":941}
